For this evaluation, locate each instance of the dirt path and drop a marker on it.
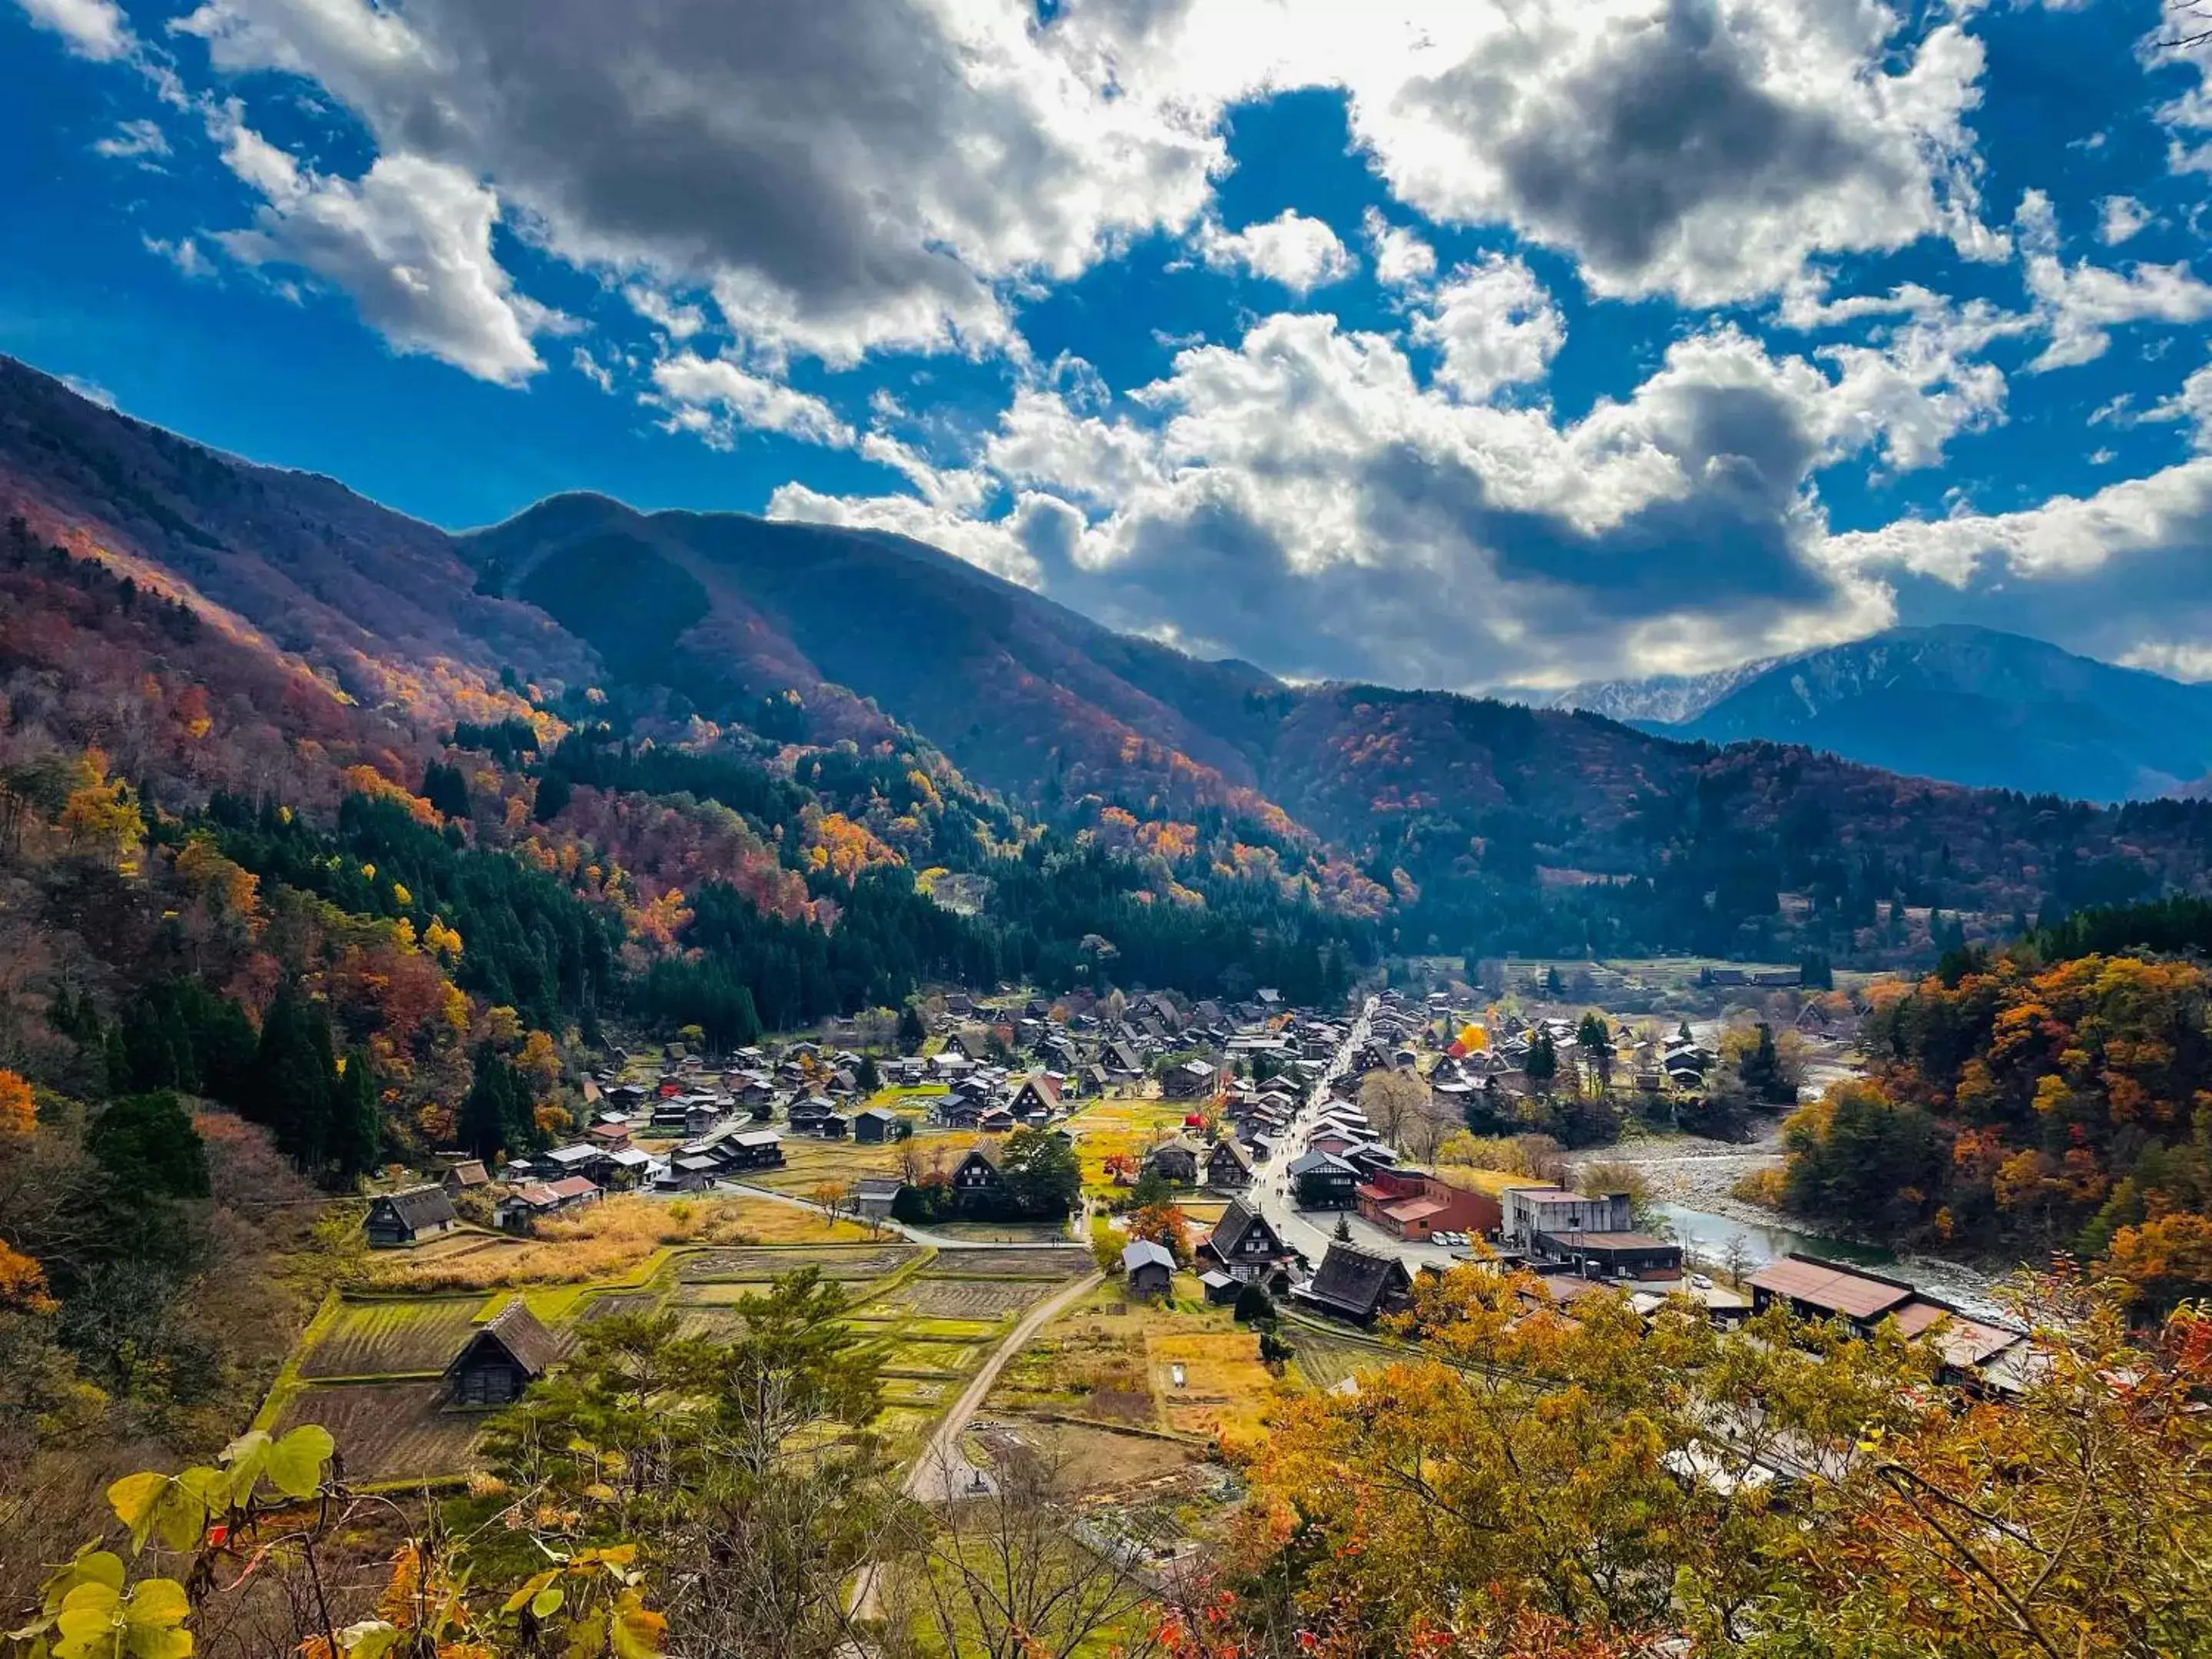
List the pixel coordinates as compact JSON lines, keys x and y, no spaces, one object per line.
{"x":942,"y":1471}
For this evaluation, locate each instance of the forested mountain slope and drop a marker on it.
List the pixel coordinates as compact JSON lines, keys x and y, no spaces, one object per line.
{"x":757,"y":648}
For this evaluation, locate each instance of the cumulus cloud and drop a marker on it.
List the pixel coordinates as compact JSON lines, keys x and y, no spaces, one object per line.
{"x":844,"y":175}
{"x":2119,"y":218}
{"x":92,"y":28}
{"x":2081,"y":303}
{"x":410,"y":241}
{"x":1494,"y":325}
{"x":1402,"y":259}
{"x":1305,"y":499}
{"x":715,"y":397}
{"x":1680,"y":146}
{"x":1301,"y":254}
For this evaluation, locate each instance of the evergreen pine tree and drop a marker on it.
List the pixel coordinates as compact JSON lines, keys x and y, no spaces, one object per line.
{"x":1343,"y":1233}
{"x":867,"y":1075}
{"x":911,"y":1032}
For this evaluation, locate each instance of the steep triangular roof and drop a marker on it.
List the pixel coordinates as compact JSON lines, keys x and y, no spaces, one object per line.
{"x":518,"y":1331}
{"x":1355,"y":1281}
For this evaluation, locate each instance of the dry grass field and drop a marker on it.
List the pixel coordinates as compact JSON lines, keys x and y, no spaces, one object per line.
{"x":1122,"y":1127}
{"x":809,"y":1164}
{"x":1224,"y":1393}
{"x":611,"y":1239}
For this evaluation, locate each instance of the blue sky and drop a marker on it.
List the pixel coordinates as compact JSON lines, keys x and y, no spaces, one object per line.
{"x":1443,"y":344}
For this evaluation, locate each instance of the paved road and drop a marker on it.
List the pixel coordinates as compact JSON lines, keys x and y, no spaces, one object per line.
{"x":1312,"y":1232}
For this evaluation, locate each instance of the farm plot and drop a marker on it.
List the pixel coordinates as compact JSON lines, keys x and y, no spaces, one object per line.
{"x":389,"y":1431}
{"x":617,"y":1305}
{"x":1040,"y":1261}
{"x":918,"y":1357}
{"x":390,"y":1338}
{"x":759,"y":1263}
{"x":967,"y":1298}
{"x":809,"y":1163}
{"x":720,"y":1293}
{"x":1212,"y":1382}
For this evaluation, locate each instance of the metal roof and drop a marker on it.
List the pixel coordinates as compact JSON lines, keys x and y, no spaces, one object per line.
{"x":1832,"y":1289}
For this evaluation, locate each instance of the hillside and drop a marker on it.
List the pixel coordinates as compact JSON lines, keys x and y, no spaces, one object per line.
{"x":985,"y":720}
{"x":1972,"y":706}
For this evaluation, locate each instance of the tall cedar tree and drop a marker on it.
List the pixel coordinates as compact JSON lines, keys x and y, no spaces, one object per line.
{"x":295,"y":1077}
{"x":357,"y":1126}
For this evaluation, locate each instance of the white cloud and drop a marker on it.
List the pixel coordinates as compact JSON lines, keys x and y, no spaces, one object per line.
{"x":133,"y":141}
{"x":1690,"y":147}
{"x":878,"y":168}
{"x":891,"y":174}
{"x":2192,"y":405}
{"x":2121,"y":217}
{"x":1495,"y":325}
{"x":679,"y":322}
{"x":1301,"y":254}
{"x":2080,"y":304}
{"x":715,"y":397}
{"x":599,"y":374}
{"x":2176,"y":660}
{"x":92,"y":28}
{"x":1303,"y":499}
{"x":184,"y":253}
{"x":410,"y":242}
{"x":1402,"y":259}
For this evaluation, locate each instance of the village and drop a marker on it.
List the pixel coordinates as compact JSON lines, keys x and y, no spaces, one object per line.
{"x":992,"y":1205}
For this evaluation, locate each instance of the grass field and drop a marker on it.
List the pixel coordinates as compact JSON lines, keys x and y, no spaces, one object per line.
{"x":1124,"y":1127}
{"x":607,"y":1240}
{"x":809,"y":1163}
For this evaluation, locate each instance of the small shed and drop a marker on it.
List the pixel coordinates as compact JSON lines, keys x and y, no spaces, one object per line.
{"x":465,"y":1176}
{"x":874,"y":1124}
{"x":1220,"y":1289}
{"x":400,"y":1218}
{"x":1149,"y":1267}
{"x":501,"y":1357}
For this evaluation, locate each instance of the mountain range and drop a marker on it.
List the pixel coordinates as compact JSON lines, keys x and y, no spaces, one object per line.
{"x":1968,"y":705}
{"x":350,"y":647}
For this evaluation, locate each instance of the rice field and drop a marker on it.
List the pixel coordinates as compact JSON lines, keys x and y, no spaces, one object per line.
{"x":389,"y":1433}
{"x":1040,"y":1261}
{"x":967,"y":1298}
{"x":389,"y":1338}
{"x":369,"y":1367}
{"x":874,"y":1262}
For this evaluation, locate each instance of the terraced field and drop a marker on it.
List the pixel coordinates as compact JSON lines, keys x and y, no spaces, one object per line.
{"x":967,"y":1298}
{"x":392,"y":1338}
{"x":369,"y":1368}
{"x":1036,"y":1261}
{"x":763,"y":1262}
{"x":389,"y":1431}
